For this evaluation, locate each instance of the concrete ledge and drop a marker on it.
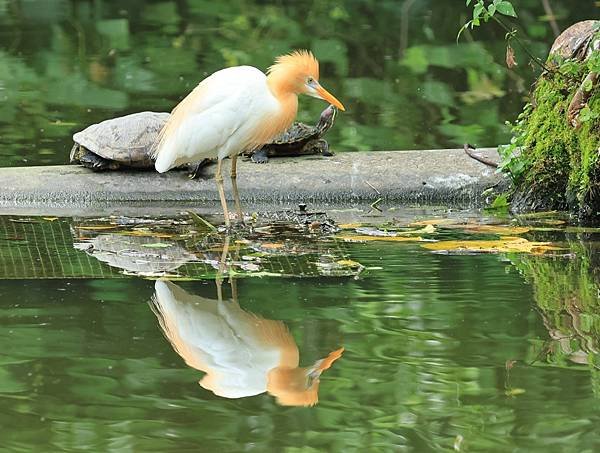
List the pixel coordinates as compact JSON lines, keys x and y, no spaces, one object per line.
{"x":425,"y":177}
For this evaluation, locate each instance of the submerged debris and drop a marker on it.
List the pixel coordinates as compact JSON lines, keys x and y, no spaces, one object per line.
{"x":290,"y":243}
{"x":313,"y":221}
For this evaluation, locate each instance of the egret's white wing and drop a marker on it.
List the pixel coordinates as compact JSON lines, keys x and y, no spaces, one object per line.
{"x":218,"y":118}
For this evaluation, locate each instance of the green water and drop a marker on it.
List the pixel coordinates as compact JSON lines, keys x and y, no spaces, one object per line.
{"x":484,"y":352}
{"x":442,"y":351}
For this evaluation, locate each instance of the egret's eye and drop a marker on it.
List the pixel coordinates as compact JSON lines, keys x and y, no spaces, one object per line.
{"x":310,"y":80}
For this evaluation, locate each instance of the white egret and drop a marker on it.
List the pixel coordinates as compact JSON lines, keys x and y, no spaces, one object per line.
{"x":237,"y":109}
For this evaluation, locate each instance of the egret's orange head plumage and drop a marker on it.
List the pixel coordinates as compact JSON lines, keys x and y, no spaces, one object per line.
{"x":298,"y":73}
{"x":295,"y":68}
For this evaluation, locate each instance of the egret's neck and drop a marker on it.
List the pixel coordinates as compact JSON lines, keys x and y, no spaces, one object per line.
{"x":288,"y":107}
{"x":283,"y":88}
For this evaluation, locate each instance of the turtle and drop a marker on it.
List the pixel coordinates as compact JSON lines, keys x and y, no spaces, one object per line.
{"x":300,"y":139}
{"x":126,"y":141}
{"x":578,"y":43}
{"x":129,"y":141}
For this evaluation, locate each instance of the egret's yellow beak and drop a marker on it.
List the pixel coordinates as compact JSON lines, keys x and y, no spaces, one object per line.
{"x":327,"y":96}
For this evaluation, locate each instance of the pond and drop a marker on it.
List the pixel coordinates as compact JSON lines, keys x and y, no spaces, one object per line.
{"x":450,"y":330}
{"x":415,"y":329}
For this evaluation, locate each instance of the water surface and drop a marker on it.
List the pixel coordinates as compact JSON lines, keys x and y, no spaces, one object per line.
{"x":476,"y":352}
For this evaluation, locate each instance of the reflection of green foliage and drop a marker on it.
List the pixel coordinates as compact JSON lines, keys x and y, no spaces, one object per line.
{"x":566,"y":293}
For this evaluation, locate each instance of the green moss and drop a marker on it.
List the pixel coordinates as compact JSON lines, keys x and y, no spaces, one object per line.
{"x":558,"y":164}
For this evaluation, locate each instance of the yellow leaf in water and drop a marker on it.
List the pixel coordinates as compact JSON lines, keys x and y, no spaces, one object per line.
{"x":272,"y":245}
{"x":98,"y":227}
{"x":552,"y":222}
{"x":364,"y":238}
{"x":350,"y":226}
{"x":428,"y":229}
{"x":349,"y":263}
{"x":434,"y":222}
{"x":50,"y":219}
{"x":504,"y":244}
{"x":495,"y":229}
{"x":157,"y":245}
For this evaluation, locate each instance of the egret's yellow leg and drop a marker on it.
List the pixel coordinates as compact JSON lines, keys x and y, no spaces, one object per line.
{"x":219,"y":180}
{"x":221,"y":271}
{"x":236,"y":194}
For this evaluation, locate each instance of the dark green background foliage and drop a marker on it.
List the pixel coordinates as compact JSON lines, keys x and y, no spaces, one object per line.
{"x":395,"y":65}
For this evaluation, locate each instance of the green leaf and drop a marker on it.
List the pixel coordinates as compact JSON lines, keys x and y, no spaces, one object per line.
{"x":491,"y":9}
{"x":501,"y":202}
{"x":587,"y":114}
{"x":506,"y":8}
{"x":479,"y":8}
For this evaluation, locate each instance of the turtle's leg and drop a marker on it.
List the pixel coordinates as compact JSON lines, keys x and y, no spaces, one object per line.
{"x":324,"y":148}
{"x":219,"y":181}
{"x":317,"y":146}
{"x":236,"y":194}
{"x":93,"y":161}
{"x":260,"y":156}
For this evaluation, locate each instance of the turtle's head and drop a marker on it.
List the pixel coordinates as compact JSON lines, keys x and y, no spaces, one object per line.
{"x":327,"y":118}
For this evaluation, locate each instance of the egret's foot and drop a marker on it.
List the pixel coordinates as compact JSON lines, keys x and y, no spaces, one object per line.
{"x":233,"y":228}
{"x":236,"y":224}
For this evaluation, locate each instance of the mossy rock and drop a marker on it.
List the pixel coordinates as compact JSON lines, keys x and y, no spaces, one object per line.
{"x":558,"y":133}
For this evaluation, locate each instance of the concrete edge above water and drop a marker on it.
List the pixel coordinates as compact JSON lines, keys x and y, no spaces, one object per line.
{"x":446,"y":176}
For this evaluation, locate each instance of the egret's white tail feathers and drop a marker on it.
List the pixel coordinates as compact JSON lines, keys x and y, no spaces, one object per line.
{"x":164,"y":152}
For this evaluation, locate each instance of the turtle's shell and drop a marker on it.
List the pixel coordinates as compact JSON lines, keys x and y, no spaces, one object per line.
{"x":297,"y":135}
{"x":128,"y":139}
{"x":575,"y":41}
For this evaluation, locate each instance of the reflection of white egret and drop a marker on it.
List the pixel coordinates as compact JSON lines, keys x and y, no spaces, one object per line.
{"x":241,"y":353}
